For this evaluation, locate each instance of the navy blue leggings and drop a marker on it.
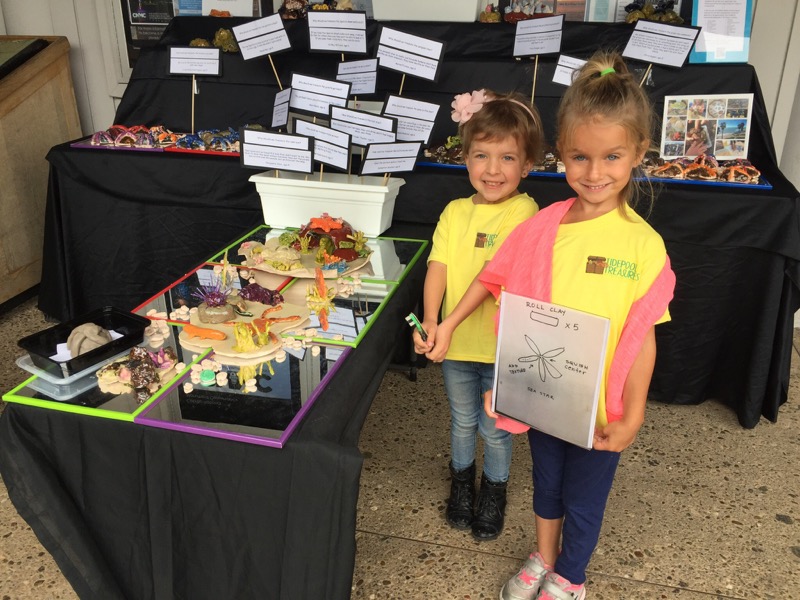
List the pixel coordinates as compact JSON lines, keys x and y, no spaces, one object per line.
{"x":572,"y":483}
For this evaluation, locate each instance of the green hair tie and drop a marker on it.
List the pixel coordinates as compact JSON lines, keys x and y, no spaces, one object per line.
{"x":607,"y":71}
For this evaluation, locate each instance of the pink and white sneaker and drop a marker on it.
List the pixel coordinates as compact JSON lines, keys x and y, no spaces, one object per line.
{"x":526,"y":583}
{"x":556,"y":587}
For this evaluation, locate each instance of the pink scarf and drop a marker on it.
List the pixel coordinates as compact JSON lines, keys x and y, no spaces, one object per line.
{"x":531,"y":244}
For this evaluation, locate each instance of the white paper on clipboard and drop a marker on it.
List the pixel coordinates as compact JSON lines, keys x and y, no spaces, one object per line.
{"x":548,"y":367}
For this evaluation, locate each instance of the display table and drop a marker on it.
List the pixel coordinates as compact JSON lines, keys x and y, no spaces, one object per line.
{"x":131,"y":511}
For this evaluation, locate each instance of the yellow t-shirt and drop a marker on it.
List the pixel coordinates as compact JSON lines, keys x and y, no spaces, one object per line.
{"x":467,"y":236}
{"x":602,"y":266}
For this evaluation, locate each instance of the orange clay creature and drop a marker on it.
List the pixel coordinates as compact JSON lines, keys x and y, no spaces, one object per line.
{"x":319,"y":298}
{"x":204,"y":333}
{"x":325,"y":222}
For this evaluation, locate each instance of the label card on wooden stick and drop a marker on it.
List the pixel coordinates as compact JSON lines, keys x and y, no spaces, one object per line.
{"x":337,"y":31}
{"x":281,"y":151}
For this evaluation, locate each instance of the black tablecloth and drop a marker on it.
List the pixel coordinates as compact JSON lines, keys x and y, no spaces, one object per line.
{"x":122,"y":225}
{"x":135,"y":512}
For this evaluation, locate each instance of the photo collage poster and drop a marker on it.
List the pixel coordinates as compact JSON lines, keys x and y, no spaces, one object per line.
{"x":715,"y":124}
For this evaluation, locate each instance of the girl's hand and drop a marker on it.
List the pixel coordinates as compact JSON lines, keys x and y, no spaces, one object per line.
{"x":487,"y":404}
{"x":421,"y":347}
{"x":440,"y":342}
{"x":615,"y":436}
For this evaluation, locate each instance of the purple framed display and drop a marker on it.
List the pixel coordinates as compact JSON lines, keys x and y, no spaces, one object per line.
{"x":267,"y":416}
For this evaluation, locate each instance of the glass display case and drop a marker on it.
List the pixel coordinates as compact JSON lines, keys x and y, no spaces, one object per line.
{"x":217,"y":389}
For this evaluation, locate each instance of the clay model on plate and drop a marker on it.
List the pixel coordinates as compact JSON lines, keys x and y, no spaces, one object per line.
{"x":704,"y":167}
{"x":86,"y":337}
{"x":333,"y":237}
{"x":141,"y":373}
{"x":214,"y":306}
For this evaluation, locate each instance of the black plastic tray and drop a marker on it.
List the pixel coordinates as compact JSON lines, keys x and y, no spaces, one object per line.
{"x":41,"y":346}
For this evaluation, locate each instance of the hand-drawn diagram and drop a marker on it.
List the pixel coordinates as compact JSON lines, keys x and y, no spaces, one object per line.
{"x":546,"y":360}
{"x":549,"y":367}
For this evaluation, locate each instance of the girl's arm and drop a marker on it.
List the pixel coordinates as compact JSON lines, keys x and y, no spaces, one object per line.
{"x":618,"y":435}
{"x":476,"y":293}
{"x":432,"y":296}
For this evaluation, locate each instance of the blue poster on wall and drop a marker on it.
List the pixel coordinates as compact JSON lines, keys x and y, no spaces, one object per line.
{"x":189,"y":8}
{"x":725,"y":31}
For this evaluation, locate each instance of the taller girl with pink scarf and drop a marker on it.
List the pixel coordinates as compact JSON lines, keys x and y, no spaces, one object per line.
{"x":605,"y":123}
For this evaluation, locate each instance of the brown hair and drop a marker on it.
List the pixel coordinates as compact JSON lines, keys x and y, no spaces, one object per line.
{"x":605,"y":89}
{"x":502,"y":116}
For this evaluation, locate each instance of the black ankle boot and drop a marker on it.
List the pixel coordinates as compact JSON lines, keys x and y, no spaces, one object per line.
{"x":461,"y":503}
{"x":490,"y":514}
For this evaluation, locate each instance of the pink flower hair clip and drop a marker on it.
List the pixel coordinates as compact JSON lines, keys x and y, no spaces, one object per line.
{"x":465,"y":105}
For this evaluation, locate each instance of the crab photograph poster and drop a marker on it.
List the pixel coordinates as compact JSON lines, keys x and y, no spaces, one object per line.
{"x":715,"y":124}
{"x":549,"y":364}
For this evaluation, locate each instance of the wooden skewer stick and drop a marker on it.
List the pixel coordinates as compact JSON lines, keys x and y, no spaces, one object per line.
{"x":402,"y":83}
{"x":646,"y":73}
{"x":275,"y":71}
{"x":194,"y":90}
{"x":535,"y":70}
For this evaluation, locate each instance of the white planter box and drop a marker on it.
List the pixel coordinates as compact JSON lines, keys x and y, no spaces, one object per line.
{"x":465,"y":11}
{"x":291,"y":199}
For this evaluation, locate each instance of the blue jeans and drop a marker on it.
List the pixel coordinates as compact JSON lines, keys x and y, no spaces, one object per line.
{"x":465,"y":383}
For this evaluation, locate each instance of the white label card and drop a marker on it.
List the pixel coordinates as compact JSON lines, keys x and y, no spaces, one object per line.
{"x":387,"y":165}
{"x":337,"y":31}
{"x":660,"y":44}
{"x":398,"y":106}
{"x":358,"y":66}
{"x":402,"y":149}
{"x":361,"y":117}
{"x":284,"y":140}
{"x":360,"y":83}
{"x":320,"y":132}
{"x":280,"y":112}
{"x":194,"y":61}
{"x":390,"y":158}
{"x":331,"y":147}
{"x":539,"y":36}
{"x":283,"y":159}
{"x":410,"y":54}
{"x":363,"y":135}
{"x":415,"y":119}
{"x":316,"y":95}
{"x":285,"y":152}
{"x":314,"y":103}
{"x":264,"y":45}
{"x":332,"y":155}
{"x":362,"y":75}
{"x":258,"y":28}
{"x":566,"y":68}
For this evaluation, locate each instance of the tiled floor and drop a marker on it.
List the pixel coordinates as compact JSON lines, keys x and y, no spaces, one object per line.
{"x":701,"y":508}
